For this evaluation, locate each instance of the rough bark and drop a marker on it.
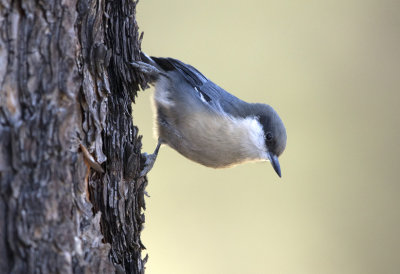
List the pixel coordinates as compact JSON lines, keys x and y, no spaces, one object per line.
{"x":66,"y":90}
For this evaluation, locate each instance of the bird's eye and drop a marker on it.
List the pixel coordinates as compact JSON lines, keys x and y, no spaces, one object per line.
{"x":269,"y":136}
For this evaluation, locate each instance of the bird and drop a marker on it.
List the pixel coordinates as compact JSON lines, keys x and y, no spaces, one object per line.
{"x":207,"y":124}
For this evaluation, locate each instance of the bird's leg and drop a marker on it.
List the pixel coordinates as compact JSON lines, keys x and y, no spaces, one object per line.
{"x":145,"y":68}
{"x":148,"y":69}
{"x":150,"y":160}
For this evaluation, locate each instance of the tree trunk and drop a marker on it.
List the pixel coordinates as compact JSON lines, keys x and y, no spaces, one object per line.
{"x":66,"y":89}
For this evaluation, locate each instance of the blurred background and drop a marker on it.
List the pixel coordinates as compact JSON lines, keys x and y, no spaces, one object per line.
{"x":331,"y":70}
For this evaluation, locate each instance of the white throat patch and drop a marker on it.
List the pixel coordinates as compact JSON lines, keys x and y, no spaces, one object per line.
{"x":255,"y":141}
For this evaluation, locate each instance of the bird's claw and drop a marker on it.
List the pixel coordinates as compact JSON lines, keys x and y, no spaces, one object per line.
{"x":145,"y":68}
{"x":150,"y":160}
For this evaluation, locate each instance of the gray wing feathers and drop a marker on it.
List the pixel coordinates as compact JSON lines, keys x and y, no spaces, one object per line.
{"x":205,"y":90}
{"x":192,"y":75}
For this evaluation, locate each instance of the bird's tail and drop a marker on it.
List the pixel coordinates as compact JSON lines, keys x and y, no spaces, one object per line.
{"x":153,"y":66}
{"x":147,"y":59}
{"x":149,"y":67}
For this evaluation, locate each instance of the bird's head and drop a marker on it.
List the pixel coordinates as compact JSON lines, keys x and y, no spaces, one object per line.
{"x":274,"y":134}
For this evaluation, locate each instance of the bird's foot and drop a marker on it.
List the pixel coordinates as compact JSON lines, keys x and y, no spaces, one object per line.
{"x":150,"y":160}
{"x":146,"y":68}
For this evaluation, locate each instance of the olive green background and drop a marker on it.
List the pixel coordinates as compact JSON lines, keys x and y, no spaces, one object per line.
{"x":331,"y":69}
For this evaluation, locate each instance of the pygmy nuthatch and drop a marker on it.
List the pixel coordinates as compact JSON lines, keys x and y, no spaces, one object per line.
{"x":205,"y":123}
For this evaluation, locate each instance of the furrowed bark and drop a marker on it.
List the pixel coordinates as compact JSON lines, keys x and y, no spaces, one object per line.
{"x":66,"y":89}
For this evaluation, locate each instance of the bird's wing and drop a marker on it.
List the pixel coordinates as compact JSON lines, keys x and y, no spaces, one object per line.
{"x":208,"y":92}
{"x":192,"y":75}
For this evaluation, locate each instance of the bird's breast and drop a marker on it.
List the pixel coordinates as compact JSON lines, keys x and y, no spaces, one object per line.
{"x":213,"y":140}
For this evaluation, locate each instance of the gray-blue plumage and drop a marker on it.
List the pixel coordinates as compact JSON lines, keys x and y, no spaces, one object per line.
{"x":209,"y":125}
{"x":214,"y":95}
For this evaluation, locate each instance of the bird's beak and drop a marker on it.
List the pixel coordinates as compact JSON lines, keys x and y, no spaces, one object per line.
{"x":275,"y":164}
